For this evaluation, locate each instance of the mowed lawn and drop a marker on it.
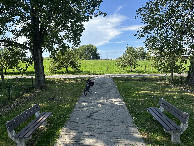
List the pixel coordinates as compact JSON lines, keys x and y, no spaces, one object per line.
{"x":141,"y":93}
{"x":97,"y":67}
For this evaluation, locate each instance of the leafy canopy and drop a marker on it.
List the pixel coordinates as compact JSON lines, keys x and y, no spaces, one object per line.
{"x":88,"y":52}
{"x":56,"y":20}
{"x":10,"y":58}
{"x":66,"y":57}
{"x":168,"y":31}
{"x":128,"y":59}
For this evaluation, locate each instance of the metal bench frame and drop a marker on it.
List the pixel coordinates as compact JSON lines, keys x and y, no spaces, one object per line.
{"x":26,"y":133}
{"x":170,"y":126}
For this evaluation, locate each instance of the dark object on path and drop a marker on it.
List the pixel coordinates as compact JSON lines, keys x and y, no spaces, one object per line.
{"x":89,"y":83}
{"x":170,"y":126}
{"x":26,"y":133}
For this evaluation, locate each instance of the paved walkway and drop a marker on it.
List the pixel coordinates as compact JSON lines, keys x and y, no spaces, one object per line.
{"x":100,"y":118}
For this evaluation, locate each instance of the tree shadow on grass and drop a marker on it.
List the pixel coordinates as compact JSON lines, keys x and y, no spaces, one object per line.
{"x":26,"y":73}
{"x":141,"y":93}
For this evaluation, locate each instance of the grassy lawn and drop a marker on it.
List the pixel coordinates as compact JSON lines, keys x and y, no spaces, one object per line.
{"x":59,"y":98}
{"x":97,"y":67}
{"x":61,"y":95}
{"x":109,"y":67}
{"x":12,"y":89}
{"x":140,"y":93}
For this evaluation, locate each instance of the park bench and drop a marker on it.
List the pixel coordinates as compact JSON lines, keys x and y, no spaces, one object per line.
{"x":169,"y":125}
{"x":26,"y":133}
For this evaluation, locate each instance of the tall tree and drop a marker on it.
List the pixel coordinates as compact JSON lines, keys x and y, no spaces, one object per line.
{"x":88,"y":52}
{"x":168,"y":31}
{"x":45,"y":23}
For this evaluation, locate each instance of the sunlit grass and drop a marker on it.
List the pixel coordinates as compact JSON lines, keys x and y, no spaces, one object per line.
{"x":97,"y":67}
{"x":141,"y":93}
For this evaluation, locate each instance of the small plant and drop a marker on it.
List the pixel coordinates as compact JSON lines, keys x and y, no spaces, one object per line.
{"x":128,"y":59}
{"x":64,"y":58}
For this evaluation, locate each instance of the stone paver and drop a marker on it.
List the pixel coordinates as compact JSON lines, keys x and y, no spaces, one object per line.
{"x":101,"y":119}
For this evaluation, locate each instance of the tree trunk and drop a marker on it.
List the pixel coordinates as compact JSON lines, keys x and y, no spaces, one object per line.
{"x":190,"y":77}
{"x":172,"y":75}
{"x":66,"y":69}
{"x":172,"y":71}
{"x":5,"y":71}
{"x":37,"y":52}
{"x":39,"y":69}
{"x":2,"y":76}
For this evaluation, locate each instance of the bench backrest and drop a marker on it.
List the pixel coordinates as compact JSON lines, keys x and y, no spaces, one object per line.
{"x":182,"y":116}
{"x":11,"y":125}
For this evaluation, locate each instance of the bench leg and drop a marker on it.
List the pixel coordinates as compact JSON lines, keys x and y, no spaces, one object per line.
{"x":21,"y":142}
{"x":44,"y":123}
{"x":175,"y":137}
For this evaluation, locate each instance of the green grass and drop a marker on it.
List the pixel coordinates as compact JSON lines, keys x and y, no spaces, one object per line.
{"x":59,"y":97}
{"x":97,"y":67}
{"x":141,"y":93}
{"x":12,"y":89}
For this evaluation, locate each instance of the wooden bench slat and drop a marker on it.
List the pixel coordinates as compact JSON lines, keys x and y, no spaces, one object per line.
{"x":158,"y":118}
{"x":169,"y":125}
{"x":11,"y":125}
{"x":26,"y":132}
{"x":46,"y":115}
{"x":28,"y":126}
{"x":182,"y":116}
{"x":168,"y":119}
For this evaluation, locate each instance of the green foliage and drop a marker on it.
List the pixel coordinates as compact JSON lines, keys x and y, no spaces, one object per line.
{"x":24,"y":64}
{"x":168,"y":29}
{"x":168,"y":64}
{"x":64,"y":58}
{"x":10,"y":58}
{"x":141,"y":53}
{"x":128,"y":59}
{"x":88,"y":52}
{"x":141,"y":93}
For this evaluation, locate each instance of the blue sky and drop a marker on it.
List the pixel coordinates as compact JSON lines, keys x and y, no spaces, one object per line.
{"x":112,"y":33}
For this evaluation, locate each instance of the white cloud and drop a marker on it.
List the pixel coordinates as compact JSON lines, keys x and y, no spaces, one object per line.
{"x":120,"y":42}
{"x":100,"y":30}
{"x":133,"y":27}
{"x":118,"y":9}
